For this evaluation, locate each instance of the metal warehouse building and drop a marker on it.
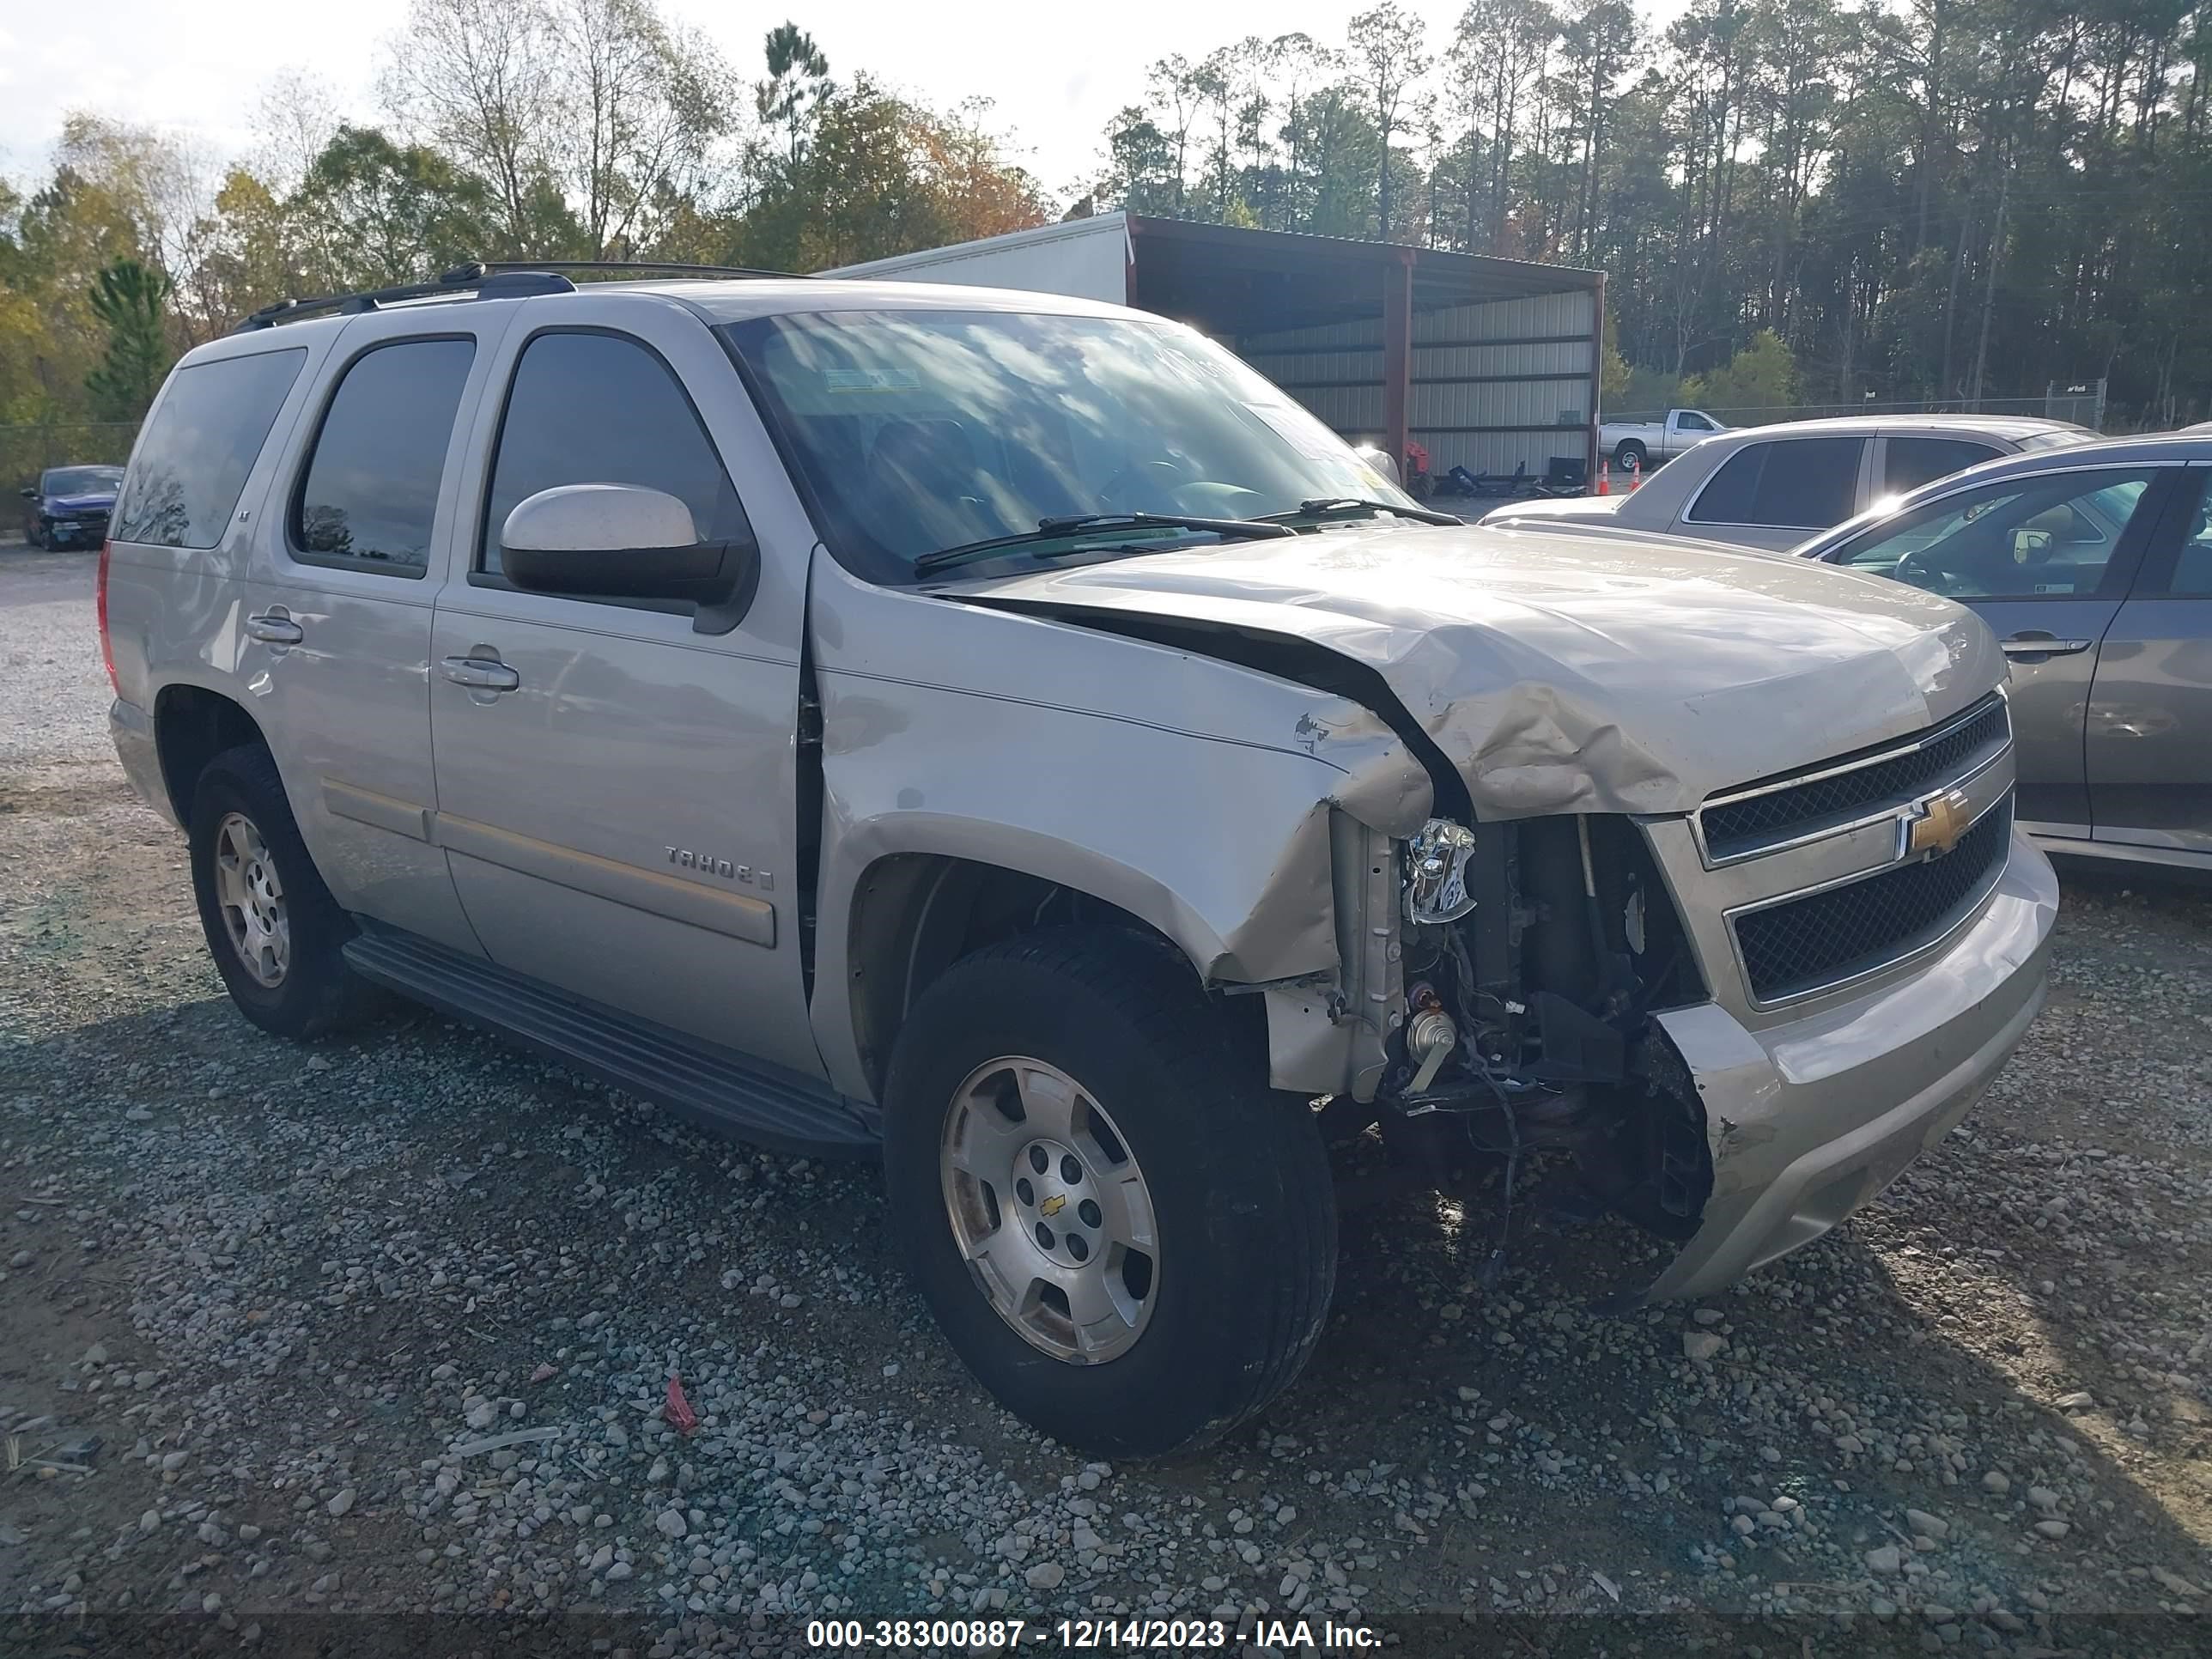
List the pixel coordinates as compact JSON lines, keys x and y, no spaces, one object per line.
{"x":1487,"y":363}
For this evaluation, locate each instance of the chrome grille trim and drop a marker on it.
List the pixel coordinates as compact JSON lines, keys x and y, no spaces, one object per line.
{"x":1921,"y":943}
{"x":1885,"y":802}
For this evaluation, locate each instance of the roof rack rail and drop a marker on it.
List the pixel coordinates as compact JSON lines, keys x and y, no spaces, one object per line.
{"x":637,"y":267}
{"x":480,"y":279}
{"x":472,"y":281}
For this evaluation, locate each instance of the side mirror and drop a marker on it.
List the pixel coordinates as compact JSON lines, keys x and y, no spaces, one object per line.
{"x":609,"y":541}
{"x":29,"y":493}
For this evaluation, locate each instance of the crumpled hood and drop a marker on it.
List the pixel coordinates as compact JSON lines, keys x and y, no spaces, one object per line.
{"x":1566,"y":674}
{"x":102,"y":502}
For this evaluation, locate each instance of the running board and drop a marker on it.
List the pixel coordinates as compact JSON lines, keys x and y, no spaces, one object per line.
{"x":712,"y":1086}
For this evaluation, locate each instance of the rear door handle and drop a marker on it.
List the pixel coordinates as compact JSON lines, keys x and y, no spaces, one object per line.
{"x":479,"y":675}
{"x":2034,"y":644}
{"x":274,"y":630}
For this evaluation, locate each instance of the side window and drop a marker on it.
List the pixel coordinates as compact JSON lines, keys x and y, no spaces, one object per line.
{"x":192,"y":462}
{"x":1913,"y":462}
{"x":1794,"y":483}
{"x":370,"y":494}
{"x":2021,"y":538}
{"x":603,"y":408}
{"x":1690,"y":421}
{"x":2192,"y":565}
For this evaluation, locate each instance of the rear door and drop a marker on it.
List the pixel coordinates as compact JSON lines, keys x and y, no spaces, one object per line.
{"x":338,"y":604}
{"x":2044,"y":558}
{"x":2150,"y":744}
{"x":1775,"y":494}
{"x":617,"y":782}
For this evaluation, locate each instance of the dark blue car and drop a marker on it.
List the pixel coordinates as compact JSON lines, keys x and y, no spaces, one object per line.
{"x":68,"y":505}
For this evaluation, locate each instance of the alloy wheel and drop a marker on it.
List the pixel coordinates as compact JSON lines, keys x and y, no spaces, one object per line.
{"x":251,"y":897}
{"x":1050,"y":1209}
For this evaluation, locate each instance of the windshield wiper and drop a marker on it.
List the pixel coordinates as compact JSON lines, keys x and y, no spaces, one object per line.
{"x":1053,"y":530}
{"x":1332,"y":507}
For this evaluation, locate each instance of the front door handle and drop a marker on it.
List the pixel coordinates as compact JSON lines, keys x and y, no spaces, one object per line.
{"x":2033,"y":642}
{"x":274,"y":628}
{"x":479,"y":675}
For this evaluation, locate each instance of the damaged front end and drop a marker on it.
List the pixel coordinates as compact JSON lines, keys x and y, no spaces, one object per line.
{"x":1524,"y":966}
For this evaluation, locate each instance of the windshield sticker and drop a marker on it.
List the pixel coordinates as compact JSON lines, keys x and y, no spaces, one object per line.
{"x":871,"y":380}
{"x":1295,"y":427}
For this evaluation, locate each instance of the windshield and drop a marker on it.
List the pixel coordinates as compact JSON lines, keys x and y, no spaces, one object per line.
{"x":80,"y":480}
{"x":918,"y":430}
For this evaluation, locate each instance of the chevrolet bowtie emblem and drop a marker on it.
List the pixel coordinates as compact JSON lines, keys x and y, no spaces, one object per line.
{"x":1053,"y":1205}
{"x":1936,"y":825}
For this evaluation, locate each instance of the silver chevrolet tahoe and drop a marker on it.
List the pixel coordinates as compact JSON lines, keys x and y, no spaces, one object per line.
{"x":1003,"y":734}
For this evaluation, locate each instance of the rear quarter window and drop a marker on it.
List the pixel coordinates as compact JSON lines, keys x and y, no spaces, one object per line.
{"x":1913,"y":462}
{"x":1791,"y":483}
{"x":192,"y":462}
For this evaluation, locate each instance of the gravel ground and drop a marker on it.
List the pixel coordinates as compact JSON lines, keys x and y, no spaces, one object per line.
{"x":386,"y":1326}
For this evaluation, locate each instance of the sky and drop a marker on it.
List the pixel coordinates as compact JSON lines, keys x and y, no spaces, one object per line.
{"x":202,"y":67}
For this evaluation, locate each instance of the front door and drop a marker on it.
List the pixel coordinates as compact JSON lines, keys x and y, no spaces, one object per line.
{"x":616,"y":786}
{"x":347,"y":561}
{"x":2043,"y":558}
{"x":2149,"y":746}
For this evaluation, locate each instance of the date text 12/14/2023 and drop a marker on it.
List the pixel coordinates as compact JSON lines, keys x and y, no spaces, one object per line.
{"x":1086,"y":1635}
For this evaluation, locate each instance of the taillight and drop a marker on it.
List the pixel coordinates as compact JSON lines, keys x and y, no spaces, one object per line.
{"x":106,"y":651}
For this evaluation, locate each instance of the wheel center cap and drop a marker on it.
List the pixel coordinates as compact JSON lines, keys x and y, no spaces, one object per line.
{"x":1053,"y":1205}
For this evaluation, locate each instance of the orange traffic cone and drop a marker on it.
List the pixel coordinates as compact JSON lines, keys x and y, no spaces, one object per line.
{"x":1604,"y":479}
{"x":1635,"y":475}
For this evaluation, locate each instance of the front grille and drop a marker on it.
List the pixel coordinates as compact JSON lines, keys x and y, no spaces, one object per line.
{"x":1801,"y":944}
{"x":1750,"y":823}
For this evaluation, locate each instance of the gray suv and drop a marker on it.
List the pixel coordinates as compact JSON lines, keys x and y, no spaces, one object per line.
{"x":1003,"y":734}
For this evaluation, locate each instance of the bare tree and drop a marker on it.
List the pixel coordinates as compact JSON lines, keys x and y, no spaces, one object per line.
{"x":1387,"y":49}
{"x":477,"y":77}
{"x":1299,"y":65}
{"x":1177,"y":92}
{"x":589,"y":120}
{"x":1496,"y":57}
{"x":297,"y":116}
{"x":641,"y":105}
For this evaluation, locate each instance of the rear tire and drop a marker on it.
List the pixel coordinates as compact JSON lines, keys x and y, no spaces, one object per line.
{"x":1216,"y":1308}
{"x":274,"y":929}
{"x":1630,"y":452}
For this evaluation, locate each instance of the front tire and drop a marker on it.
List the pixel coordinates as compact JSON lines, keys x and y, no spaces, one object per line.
{"x":1125,"y":1235}
{"x":274,"y":929}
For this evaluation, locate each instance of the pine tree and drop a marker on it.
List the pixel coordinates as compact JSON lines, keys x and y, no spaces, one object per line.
{"x":128,"y":297}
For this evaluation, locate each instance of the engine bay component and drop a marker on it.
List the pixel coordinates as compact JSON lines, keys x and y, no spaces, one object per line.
{"x":1437,"y":859}
{"x":1429,"y":1038}
{"x":1528,"y":1029}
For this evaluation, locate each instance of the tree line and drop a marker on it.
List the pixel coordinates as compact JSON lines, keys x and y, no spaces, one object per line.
{"x":1899,"y":199}
{"x":511,"y":130}
{"x":1794,"y":199}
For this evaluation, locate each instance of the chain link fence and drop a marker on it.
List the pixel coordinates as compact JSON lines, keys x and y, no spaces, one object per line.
{"x":27,"y":451}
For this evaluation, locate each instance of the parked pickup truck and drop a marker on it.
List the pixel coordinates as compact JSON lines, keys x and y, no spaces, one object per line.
{"x":1645,"y":443}
{"x":1002,"y":735}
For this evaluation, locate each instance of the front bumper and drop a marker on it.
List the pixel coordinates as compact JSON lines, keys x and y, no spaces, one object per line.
{"x":1810,"y":1118}
{"x":75,"y":533}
